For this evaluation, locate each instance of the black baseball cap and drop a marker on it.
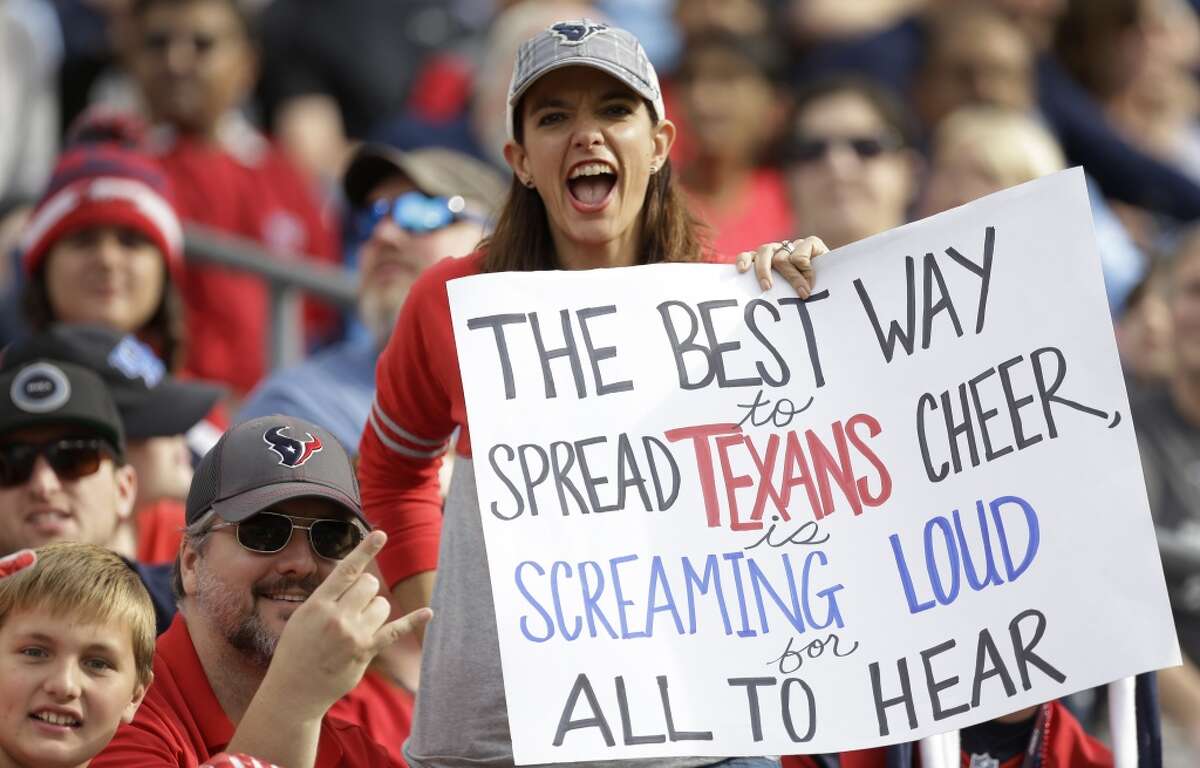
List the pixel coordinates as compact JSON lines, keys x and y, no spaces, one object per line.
{"x":44,"y":392}
{"x":152,"y":403}
{"x":268,"y":460}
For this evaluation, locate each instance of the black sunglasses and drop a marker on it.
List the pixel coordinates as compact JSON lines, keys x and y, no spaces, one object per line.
{"x":807,"y":150}
{"x":269,"y":532}
{"x":70,"y":458}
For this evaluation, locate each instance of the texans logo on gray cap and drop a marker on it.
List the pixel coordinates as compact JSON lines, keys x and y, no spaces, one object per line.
{"x":40,"y":388}
{"x":575,"y":32}
{"x":292,"y":452}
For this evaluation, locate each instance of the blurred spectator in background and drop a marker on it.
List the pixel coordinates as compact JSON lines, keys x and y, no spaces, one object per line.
{"x":63,"y":474}
{"x":744,"y":18}
{"x":1167,"y":419}
{"x":412,"y":209}
{"x":725,"y":85}
{"x":331,"y":70}
{"x":894,"y":57}
{"x":851,"y":169}
{"x":157,"y":411}
{"x":973,"y":55}
{"x":476,"y":127}
{"x":1136,"y":58}
{"x":31,"y":51}
{"x":104,"y":246}
{"x":196,"y":63}
{"x":980,"y":150}
{"x":816,"y":20}
{"x":1143,"y":333}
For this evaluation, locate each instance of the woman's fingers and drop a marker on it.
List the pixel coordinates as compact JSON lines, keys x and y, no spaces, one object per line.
{"x":764,"y":258}
{"x":792,"y":259}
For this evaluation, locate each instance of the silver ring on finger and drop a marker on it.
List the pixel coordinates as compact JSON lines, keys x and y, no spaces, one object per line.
{"x":787,"y":247}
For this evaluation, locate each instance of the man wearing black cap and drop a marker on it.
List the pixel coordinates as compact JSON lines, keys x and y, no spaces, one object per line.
{"x":278,"y":619}
{"x":63,"y":475}
{"x":412,"y":209}
{"x":157,"y":410}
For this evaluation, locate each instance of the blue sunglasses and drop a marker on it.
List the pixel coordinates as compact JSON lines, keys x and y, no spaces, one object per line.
{"x":414,"y":212}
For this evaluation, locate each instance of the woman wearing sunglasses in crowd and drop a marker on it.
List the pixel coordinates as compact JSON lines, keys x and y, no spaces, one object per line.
{"x":592,"y":187}
{"x":851,"y":169}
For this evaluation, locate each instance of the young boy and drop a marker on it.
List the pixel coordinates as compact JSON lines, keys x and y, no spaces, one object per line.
{"x":76,"y":649}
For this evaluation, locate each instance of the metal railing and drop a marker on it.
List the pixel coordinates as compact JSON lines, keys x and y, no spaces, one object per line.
{"x":288,"y":279}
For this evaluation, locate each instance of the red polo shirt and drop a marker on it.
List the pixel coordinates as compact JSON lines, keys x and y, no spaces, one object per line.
{"x":180,"y":722}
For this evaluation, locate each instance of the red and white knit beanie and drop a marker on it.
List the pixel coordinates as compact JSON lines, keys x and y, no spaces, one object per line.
{"x":104,"y":184}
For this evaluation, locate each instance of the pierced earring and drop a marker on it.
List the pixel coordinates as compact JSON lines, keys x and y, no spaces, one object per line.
{"x":529,"y":183}
{"x":653,"y":169}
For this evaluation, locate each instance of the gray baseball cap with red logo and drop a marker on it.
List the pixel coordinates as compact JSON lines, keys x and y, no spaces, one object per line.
{"x":267,"y":460}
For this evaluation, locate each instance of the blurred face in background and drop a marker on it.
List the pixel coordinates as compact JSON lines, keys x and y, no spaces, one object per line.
{"x":851,"y":177}
{"x":392,"y":257}
{"x":110,"y":276}
{"x":193,"y":61}
{"x":164,"y":467}
{"x":731,"y":106}
{"x":959,"y":174}
{"x":1144,"y":335}
{"x":983,"y":59}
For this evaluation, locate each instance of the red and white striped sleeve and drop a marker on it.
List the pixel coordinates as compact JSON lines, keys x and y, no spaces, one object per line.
{"x":239,"y":760}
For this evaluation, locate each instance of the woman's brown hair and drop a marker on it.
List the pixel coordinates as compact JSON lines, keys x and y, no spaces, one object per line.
{"x":521,"y":242}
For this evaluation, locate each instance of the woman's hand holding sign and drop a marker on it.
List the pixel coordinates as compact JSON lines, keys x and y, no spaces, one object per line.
{"x":792,"y":259}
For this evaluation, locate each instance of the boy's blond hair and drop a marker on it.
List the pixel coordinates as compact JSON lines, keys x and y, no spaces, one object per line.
{"x":89,"y":584}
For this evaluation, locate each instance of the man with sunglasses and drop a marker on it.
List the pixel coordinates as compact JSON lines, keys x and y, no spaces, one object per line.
{"x":63,"y":475}
{"x":411,"y":209}
{"x":278,"y":618}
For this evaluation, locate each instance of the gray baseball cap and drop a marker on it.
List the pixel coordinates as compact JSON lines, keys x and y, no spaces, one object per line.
{"x":584,"y":43}
{"x":268,"y":460}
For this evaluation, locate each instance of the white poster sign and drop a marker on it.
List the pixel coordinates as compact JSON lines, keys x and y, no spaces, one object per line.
{"x":727,"y":522}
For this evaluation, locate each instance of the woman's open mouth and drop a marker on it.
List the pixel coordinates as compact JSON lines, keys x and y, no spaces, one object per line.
{"x":590,"y":185}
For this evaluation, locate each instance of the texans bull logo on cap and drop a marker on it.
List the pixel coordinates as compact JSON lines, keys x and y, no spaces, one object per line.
{"x":292,"y":452}
{"x":574,"y":33}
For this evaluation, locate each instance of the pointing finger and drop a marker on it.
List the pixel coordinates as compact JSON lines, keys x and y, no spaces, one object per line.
{"x":348,"y":570}
{"x":405,"y":625}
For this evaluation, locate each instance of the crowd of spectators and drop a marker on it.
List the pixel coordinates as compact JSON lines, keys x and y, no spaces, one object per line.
{"x":368,"y":135}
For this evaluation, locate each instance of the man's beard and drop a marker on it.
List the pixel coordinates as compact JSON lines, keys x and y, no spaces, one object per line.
{"x":244,"y":629}
{"x":379,"y":308}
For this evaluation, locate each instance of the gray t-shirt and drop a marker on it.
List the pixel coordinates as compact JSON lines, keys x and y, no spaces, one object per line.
{"x":461,"y":720}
